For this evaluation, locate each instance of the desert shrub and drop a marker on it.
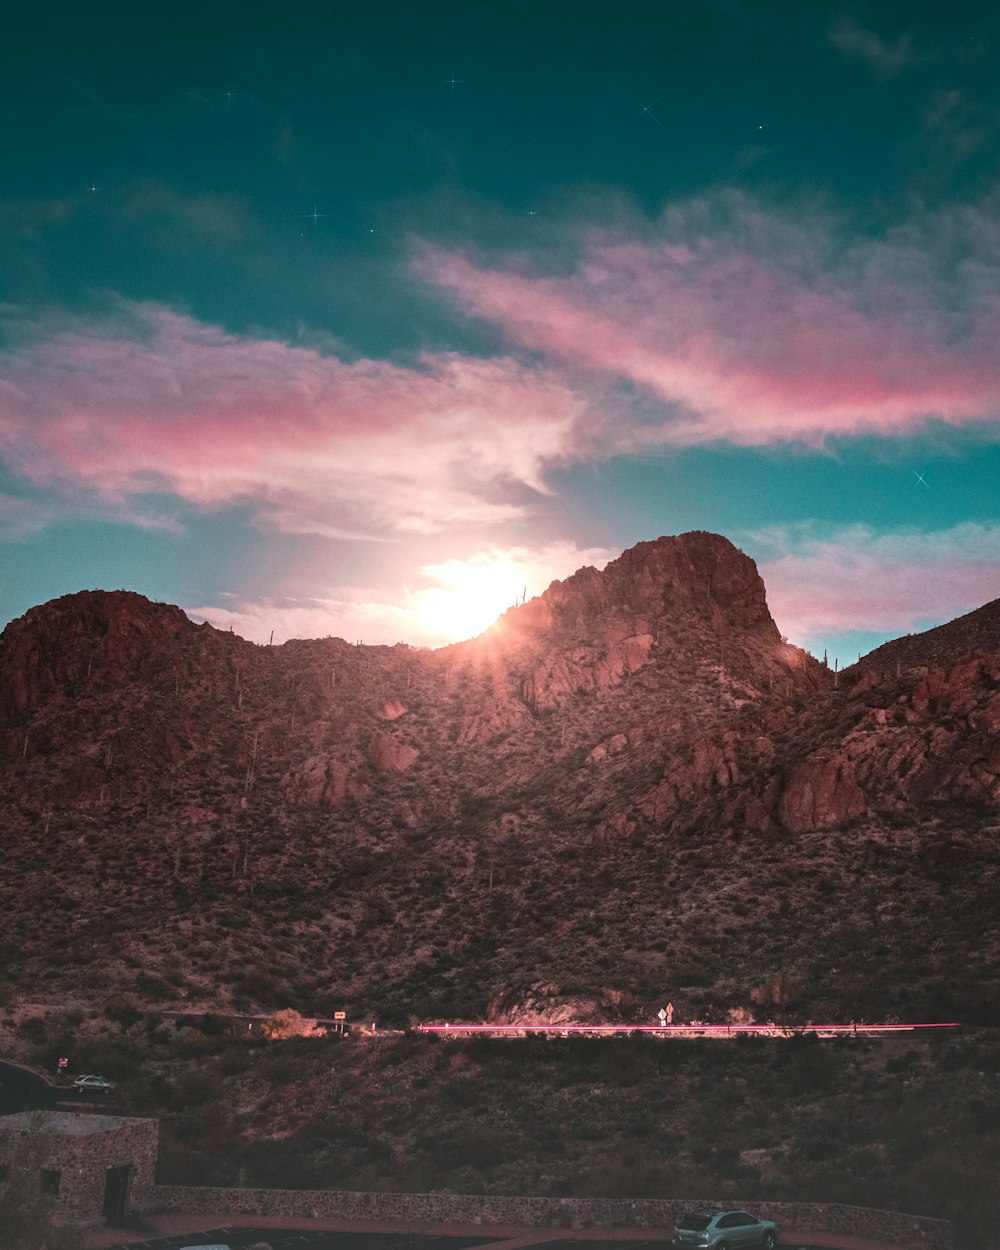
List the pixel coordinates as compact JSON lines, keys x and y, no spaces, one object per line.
{"x":234,"y":1060}
{"x":284,"y":1164}
{"x":192,"y":1089}
{"x":123,"y":1009}
{"x":692,"y":974}
{"x":260,"y":986}
{"x":149,"y":985}
{"x":287,"y":1023}
{"x":34,"y":1028}
{"x":819,"y":1148}
{"x":8,"y":993}
{"x":189,"y":1043}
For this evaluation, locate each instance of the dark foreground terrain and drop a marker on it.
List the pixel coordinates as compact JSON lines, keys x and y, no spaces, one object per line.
{"x":907,"y":1123}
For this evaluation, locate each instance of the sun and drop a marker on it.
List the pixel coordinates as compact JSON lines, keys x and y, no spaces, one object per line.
{"x":469,"y":595}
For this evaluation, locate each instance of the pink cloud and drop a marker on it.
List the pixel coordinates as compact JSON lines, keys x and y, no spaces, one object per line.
{"x":153,"y":401}
{"x":855,"y":579}
{"x":762,"y":329}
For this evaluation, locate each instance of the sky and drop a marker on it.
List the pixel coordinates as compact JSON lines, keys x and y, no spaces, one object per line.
{"x":363,"y":320}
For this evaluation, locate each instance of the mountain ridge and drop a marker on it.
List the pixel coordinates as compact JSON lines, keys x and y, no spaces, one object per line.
{"x":645,"y":727}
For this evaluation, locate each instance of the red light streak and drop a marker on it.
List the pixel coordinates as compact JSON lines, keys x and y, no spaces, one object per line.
{"x":774,"y":1030}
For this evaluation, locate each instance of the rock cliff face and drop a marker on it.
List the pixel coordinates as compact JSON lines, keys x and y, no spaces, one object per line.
{"x":630,"y":735}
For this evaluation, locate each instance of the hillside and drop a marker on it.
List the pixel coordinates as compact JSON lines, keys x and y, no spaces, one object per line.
{"x":628,"y":788}
{"x":628,"y":791}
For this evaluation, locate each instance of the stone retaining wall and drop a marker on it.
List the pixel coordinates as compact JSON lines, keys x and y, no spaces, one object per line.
{"x":421,"y":1209}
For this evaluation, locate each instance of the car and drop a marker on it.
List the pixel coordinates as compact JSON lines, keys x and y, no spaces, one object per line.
{"x":724,"y":1230}
{"x":94,"y":1084}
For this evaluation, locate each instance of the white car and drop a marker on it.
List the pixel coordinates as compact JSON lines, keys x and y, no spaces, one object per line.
{"x":95,"y":1084}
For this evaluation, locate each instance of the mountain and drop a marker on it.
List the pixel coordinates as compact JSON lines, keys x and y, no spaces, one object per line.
{"x":629,"y":788}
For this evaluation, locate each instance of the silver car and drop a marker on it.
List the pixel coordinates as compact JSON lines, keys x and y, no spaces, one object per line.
{"x":724,"y":1230}
{"x":94,"y":1084}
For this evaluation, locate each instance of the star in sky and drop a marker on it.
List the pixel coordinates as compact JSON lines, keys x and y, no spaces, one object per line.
{"x":920,"y":479}
{"x":315,"y":215}
{"x":647,"y":110}
{"x":453,"y":82}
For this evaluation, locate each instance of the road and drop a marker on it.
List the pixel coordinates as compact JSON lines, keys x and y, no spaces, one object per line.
{"x":23,"y":1090}
{"x":314,"y":1239}
{"x":302,"y":1239}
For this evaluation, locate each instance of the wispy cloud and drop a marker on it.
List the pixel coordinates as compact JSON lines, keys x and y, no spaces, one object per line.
{"x":754,"y":327}
{"x":20,"y":517}
{"x":856,"y":579}
{"x":447,"y":601}
{"x":884,"y":56}
{"x":152,"y":401}
{"x":175,"y":216}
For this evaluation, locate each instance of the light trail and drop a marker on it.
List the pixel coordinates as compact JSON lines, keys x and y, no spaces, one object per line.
{"x":686,"y":1030}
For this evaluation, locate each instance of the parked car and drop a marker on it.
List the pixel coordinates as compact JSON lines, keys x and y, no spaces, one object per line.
{"x":94,"y":1084}
{"x":724,"y":1230}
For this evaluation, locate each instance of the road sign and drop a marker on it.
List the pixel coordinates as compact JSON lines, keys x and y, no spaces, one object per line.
{"x":663,"y":1015}
{"x":63,"y":1063}
{"x":340,"y":1015}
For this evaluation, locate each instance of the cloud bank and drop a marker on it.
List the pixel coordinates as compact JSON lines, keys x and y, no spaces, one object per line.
{"x":154,"y":402}
{"x":753,"y":327}
{"x":720,"y":322}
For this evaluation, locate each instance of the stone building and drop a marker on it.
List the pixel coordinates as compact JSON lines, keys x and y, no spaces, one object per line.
{"x":95,"y":1167}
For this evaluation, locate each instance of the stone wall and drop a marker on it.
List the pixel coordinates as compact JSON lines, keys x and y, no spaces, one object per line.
{"x":423,"y":1209}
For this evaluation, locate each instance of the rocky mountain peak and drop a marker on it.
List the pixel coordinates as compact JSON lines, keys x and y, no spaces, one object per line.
{"x":697,"y":575}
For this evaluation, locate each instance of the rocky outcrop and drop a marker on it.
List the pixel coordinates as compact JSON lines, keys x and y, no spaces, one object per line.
{"x":710,"y":766}
{"x":389,"y":755}
{"x":588,"y":670}
{"x":492,"y":718}
{"x":317,"y":782}
{"x":696,"y":574}
{"x":543,"y":1002}
{"x":81,"y":641}
{"x":821,"y":794}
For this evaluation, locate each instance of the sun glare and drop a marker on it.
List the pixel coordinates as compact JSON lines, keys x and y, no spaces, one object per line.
{"x":470,"y":594}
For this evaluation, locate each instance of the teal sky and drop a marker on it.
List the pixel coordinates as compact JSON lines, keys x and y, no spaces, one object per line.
{"x":325,"y":318}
